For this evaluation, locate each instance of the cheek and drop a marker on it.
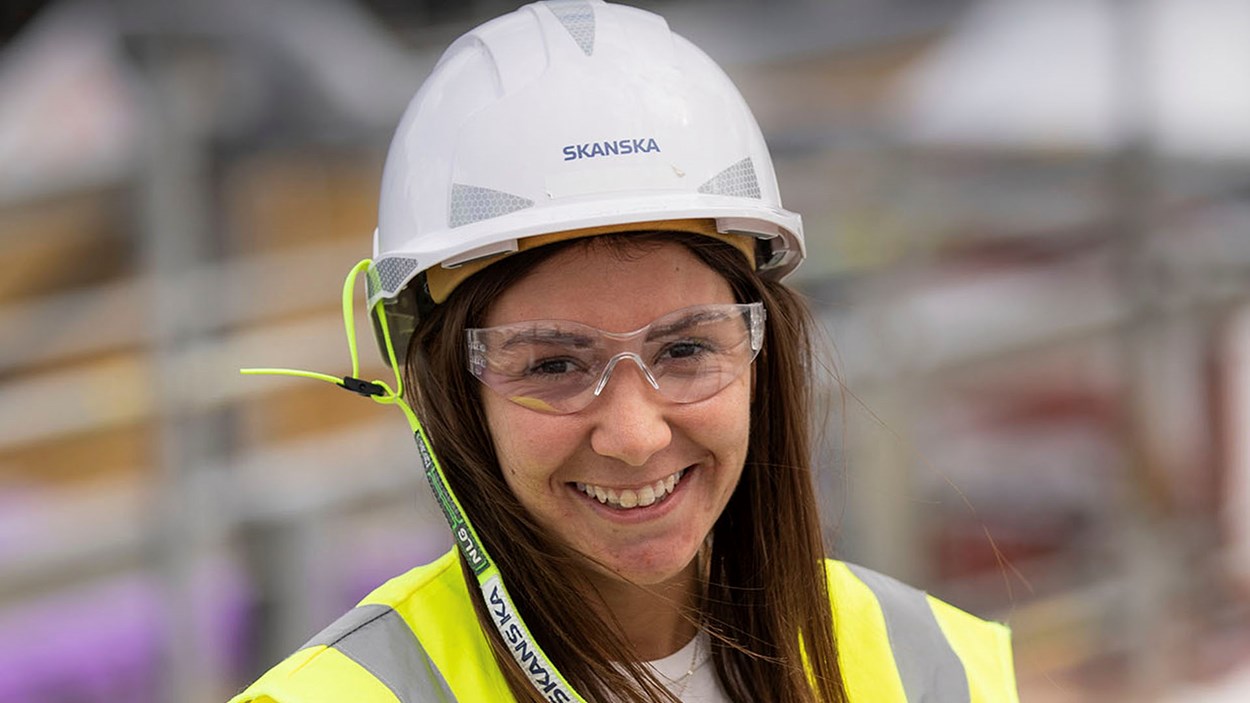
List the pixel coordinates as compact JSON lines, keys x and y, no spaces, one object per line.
{"x":529,"y":445}
{"x":723,"y":425}
{"x":738,"y":415}
{"x":505,"y":435}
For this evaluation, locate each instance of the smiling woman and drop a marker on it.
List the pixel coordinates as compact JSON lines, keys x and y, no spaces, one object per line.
{"x":612,"y":389}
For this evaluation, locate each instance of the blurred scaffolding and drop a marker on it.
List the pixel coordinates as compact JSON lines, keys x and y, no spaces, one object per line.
{"x":1029,"y":235}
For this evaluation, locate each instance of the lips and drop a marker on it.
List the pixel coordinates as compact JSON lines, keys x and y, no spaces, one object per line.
{"x":630,"y":498}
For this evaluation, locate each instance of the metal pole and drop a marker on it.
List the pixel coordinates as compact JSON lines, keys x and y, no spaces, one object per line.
{"x":173,"y":214}
{"x":1148,"y":548}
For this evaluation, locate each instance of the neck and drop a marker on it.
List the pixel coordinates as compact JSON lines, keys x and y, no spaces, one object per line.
{"x":654,"y":618}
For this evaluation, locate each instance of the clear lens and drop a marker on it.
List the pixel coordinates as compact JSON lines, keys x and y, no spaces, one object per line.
{"x":557,"y":366}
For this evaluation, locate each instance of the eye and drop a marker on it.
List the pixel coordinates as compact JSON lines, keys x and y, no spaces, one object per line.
{"x":553,"y":367}
{"x":685,"y":349}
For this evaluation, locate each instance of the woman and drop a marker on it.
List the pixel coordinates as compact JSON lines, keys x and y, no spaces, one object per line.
{"x":578,"y":266}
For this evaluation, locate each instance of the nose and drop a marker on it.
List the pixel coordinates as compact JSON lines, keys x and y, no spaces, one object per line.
{"x":629,"y":421}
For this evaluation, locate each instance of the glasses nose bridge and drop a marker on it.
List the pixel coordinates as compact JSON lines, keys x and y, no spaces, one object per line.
{"x":611,"y":365}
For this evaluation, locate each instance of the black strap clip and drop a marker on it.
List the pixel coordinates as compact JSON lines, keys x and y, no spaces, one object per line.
{"x":365,"y":388}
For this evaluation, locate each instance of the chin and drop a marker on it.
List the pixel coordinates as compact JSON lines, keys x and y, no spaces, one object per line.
{"x":647,"y":569}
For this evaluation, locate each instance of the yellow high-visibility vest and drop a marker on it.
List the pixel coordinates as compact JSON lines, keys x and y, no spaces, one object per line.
{"x":417,"y":640}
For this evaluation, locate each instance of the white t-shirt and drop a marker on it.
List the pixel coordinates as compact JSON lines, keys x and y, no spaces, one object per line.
{"x":701,"y":686}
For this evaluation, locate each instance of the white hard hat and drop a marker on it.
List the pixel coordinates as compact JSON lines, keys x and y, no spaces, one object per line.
{"x":568,"y":115}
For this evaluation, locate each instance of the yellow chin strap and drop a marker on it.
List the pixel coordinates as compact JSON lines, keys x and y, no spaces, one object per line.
{"x":549,"y":682}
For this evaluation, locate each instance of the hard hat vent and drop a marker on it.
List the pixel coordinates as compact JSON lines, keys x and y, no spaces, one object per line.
{"x":388,"y":276}
{"x":579,"y":18}
{"x":738,"y":181}
{"x":471,"y":204}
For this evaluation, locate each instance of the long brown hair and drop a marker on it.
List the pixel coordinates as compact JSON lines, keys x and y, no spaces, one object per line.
{"x":765,"y":600}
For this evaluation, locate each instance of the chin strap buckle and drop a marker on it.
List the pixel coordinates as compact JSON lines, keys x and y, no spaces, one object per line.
{"x":364,"y":388}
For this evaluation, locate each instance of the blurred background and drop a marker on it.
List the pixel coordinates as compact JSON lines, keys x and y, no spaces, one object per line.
{"x":1029,"y":235}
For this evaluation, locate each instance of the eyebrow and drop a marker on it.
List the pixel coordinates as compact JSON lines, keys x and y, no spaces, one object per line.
{"x":538,"y":335}
{"x":578,"y":340}
{"x":684,"y":322}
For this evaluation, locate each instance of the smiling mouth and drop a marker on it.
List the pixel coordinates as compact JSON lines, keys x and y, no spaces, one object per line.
{"x":630,"y":498}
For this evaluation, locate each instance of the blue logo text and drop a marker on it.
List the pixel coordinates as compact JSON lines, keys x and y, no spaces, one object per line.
{"x":618,"y":147}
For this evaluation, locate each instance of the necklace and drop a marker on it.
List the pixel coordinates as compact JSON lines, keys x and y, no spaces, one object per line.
{"x":678,"y":685}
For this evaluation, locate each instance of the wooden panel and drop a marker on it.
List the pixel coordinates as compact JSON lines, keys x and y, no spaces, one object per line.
{"x":58,"y":245}
{"x":296,"y":200}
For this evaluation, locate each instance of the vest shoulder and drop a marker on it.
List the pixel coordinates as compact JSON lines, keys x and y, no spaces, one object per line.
{"x":869,"y":606}
{"x":847,"y":581}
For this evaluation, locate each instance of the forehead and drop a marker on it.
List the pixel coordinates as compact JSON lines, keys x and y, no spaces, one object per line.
{"x":614,"y":288}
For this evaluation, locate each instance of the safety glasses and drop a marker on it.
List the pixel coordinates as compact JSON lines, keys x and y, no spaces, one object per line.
{"x":559,"y":367}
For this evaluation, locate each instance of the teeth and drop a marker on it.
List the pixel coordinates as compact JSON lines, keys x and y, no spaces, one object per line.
{"x":627,"y":498}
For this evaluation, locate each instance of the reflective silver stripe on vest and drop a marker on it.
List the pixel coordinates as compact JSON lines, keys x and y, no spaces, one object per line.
{"x":377,"y":638}
{"x":930,"y":669}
